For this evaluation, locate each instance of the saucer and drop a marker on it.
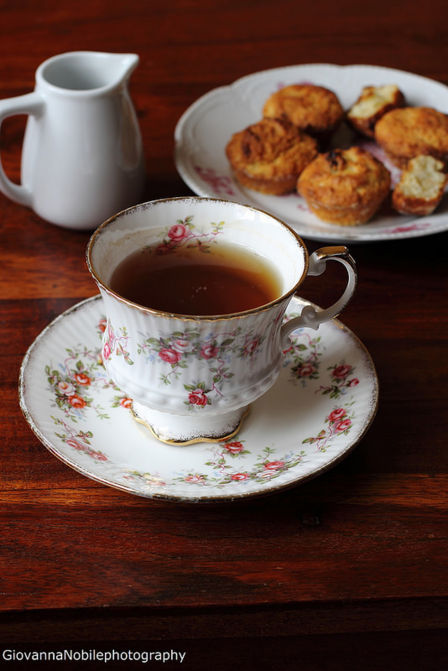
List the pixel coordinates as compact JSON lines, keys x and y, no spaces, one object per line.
{"x":205,"y":128}
{"x":320,"y":407}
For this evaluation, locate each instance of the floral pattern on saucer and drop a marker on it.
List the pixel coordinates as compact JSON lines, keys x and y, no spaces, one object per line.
{"x":303,"y":356}
{"x":310,"y":419}
{"x":339,"y":421}
{"x":73,"y":379}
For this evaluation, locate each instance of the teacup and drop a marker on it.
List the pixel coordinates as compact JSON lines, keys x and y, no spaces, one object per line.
{"x":193,"y":377}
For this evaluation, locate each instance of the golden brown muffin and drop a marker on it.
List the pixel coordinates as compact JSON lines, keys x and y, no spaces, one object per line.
{"x":269,"y":155}
{"x":372,"y":104}
{"x":313,"y":109}
{"x":421,"y":186}
{"x":344,"y":186}
{"x":410,"y":131}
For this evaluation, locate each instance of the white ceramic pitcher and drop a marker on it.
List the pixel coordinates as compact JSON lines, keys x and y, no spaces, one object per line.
{"x":82,"y":157}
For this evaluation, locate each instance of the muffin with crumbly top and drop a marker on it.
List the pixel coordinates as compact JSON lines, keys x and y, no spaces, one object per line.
{"x":372,"y":104}
{"x":344,"y":187}
{"x":412,"y":131}
{"x":268,"y":156}
{"x":314,"y":109}
{"x":421,"y":186}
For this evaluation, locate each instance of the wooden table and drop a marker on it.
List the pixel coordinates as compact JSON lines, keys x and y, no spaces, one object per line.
{"x":346,"y":571}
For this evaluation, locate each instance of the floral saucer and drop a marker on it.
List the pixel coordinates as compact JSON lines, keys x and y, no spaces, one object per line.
{"x":320,"y":407}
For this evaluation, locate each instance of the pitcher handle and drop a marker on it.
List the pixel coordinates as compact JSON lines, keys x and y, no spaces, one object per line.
{"x":311,"y":317}
{"x":30,"y":103}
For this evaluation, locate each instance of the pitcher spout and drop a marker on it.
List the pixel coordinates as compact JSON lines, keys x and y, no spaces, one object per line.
{"x":122,"y":65}
{"x":86,"y":71}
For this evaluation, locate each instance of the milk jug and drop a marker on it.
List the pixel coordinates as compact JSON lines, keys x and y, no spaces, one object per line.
{"x":82,"y":157}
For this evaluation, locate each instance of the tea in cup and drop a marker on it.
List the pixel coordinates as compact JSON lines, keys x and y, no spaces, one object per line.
{"x":195,"y":291}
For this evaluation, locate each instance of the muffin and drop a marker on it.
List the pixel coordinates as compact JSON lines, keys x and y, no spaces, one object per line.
{"x":421,"y":186}
{"x":344,"y":186}
{"x":372,"y":104}
{"x":410,"y":131}
{"x":313,"y":109}
{"x":270,"y":155}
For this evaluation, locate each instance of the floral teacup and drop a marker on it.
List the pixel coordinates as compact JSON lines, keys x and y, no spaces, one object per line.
{"x":193,"y":378}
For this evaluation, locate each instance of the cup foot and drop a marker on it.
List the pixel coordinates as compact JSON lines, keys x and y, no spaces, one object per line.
{"x":187,"y":430}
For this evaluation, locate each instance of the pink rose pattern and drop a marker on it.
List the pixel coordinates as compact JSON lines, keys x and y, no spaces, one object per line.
{"x":178,"y":232}
{"x":198,"y":397}
{"x":175,"y":350}
{"x":82,"y":369}
{"x":209,"y":351}
{"x":149,"y":479}
{"x":79,"y":441}
{"x":338,"y":421}
{"x":235,"y":447}
{"x":342,"y":378}
{"x":225,"y":471}
{"x":72,"y":380}
{"x":220,"y":184}
{"x":101,"y":326}
{"x":303,"y":357}
{"x":174,"y":353}
{"x":407,"y":228}
{"x":72,"y":383}
{"x":170,"y":355}
{"x":115,"y":343}
{"x":224,"y":467}
{"x":183,"y":234}
{"x":122,"y":401}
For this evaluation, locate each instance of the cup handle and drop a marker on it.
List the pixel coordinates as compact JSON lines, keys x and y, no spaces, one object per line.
{"x":30,"y":103}
{"x":311,"y":317}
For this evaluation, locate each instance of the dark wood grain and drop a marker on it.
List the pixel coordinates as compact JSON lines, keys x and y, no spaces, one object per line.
{"x":354,"y":561}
